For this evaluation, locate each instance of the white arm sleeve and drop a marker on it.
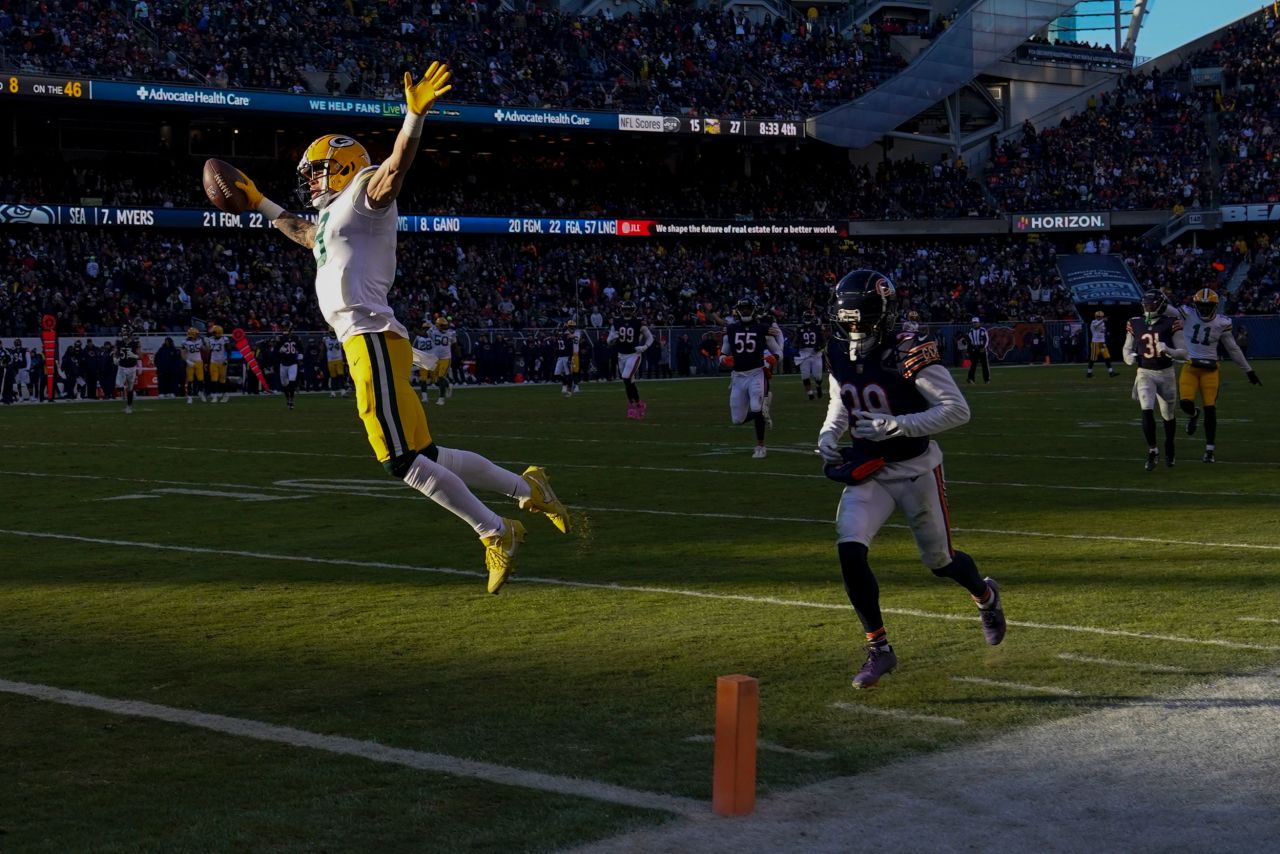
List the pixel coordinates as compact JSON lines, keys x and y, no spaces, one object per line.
{"x":613,"y":335}
{"x":1130,"y":349}
{"x":724,"y":345}
{"x":1233,"y":350}
{"x":773,"y":345}
{"x":837,"y":423}
{"x":647,"y":336}
{"x":947,"y":407}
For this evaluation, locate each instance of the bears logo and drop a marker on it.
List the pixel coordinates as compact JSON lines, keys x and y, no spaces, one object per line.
{"x":1001,"y":341}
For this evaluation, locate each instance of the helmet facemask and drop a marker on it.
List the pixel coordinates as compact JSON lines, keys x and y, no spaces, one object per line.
{"x":863,"y":310}
{"x":1153,"y":304}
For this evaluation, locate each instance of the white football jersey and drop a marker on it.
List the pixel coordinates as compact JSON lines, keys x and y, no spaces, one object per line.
{"x":442,"y":343}
{"x":355,"y":254}
{"x":218,"y":349}
{"x":1098,"y":331}
{"x":422,"y":342}
{"x":1203,"y":335}
{"x":192,"y":349}
{"x":333,"y":349}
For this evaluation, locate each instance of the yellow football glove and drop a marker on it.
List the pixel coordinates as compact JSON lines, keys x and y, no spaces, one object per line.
{"x":250,"y":190}
{"x":421,"y":95}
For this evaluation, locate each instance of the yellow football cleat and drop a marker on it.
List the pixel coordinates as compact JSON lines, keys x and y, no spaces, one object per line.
{"x":542,"y":498}
{"x":500,"y":553}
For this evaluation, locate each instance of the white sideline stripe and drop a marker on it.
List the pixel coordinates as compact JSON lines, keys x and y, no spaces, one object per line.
{"x":130,"y":497}
{"x":371,"y":750}
{"x":898,"y":714}
{"x":1017,"y":686}
{"x":1111,"y":662}
{"x":1258,"y":620}
{"x":631,"y":588}
{"x":769,"y":746}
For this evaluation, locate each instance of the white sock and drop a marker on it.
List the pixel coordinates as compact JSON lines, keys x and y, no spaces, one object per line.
{"x":478,"y":473}
{"x":447,"y":489}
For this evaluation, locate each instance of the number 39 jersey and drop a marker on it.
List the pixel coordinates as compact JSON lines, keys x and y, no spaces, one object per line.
{"x":884,"y":382}
{"x":1147,"y":335}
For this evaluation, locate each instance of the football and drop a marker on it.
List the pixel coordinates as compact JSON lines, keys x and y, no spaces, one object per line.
{"x":220,"y":186}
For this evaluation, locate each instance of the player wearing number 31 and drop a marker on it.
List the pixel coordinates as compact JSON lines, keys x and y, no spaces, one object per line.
{"x":354,"y":243}
{"x":891,"y":394}
{"x":1148,"y":342}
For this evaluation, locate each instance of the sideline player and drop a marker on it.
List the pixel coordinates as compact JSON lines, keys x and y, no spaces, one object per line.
{"x":219,"y":345}
{"x":127,"y":365}
{"x":442,"y":338}
{"x":748,"y":348}
{"x":354,"y":244}
{"x":193,"y":350}
{"x":632,"y":337}
{"x":1201,"y":373}
{"x":568,"y":343}
{"x":1148,"y":340}
{"x":892,"y":394}
{"x":288,"y":355}
{"x":1098,"y":344}
{"x":424,"y":364}
{"x":337,"y":368}
{"x":810,"y":358}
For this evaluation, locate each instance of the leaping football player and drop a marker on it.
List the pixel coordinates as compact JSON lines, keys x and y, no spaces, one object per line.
{"x":892,"y":393}
{"x":632,"y":337}
{"x":193,"y":350}
{"x":812,"y":344}
{"x":354,"y":244}
{"x":219,"y":345}
{"x":1201,"y":372}
{"x":748,"y":348}
{"x":1148,"y":340}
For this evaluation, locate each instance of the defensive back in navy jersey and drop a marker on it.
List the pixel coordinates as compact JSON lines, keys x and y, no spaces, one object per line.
{"x":884,"y":383}
{"x":1147,"y":335}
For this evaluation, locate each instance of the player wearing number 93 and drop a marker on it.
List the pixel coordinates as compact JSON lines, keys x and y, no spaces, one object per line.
{"x":1148,"y":340}
{"x":354,"y":243}
{"x":891,"y":394}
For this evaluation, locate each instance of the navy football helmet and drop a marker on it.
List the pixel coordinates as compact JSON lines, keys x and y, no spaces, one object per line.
{"x":745,"y":309}
{"x":1153,"y":303}
{"x":863,"y":311}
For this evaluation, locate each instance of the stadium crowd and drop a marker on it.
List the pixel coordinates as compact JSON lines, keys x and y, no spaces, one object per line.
{"x":667,"y":59}
{"x":794,"y":185}
{"x":93,"y":281}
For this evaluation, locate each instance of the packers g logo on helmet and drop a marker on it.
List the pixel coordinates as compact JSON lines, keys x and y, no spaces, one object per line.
{"x":334,"y":159}
{"x":1206,"y":303}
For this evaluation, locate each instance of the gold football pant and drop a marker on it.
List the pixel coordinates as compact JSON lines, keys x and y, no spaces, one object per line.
{"x":1203,"y":380}
{"x":380,"y":364}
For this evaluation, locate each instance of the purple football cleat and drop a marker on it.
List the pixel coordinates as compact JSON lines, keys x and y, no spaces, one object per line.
{"x":993,"y":622}
{"x":880,"y":660}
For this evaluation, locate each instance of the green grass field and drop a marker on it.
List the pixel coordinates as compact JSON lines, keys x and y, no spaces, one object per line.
{"x":248,"y":561}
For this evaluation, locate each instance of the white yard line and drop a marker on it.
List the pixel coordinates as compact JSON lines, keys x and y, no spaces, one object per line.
{"x":436,"y":762}
{"x":898,"y":714}
{"x":1111,"y":662}
{"x":1017,"y":686}
{"x":769,"y":746}
{"x":1258,"y":620}
{"x":626,"y":588}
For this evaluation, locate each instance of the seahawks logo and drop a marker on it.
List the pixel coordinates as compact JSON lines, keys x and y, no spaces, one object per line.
{"x":37,"y":215}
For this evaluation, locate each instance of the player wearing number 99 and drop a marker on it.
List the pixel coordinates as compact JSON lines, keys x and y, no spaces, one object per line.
{"x":354,"y":243}
{"x":631,"y":336}
{"x":891,"y":394}
{"x":1147,"y":342}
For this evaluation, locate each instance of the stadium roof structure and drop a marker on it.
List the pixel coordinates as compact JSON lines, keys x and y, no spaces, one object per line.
{"x":982,"y":36}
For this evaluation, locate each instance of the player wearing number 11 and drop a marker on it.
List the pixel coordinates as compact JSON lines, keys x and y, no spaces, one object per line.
{"x":354,"y":243}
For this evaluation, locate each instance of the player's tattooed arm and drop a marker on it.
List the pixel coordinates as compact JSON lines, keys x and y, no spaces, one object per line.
{"x":296,"y":229}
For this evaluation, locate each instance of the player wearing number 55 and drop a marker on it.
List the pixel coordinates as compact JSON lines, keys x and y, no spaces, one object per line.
{"x":891,"y":393}
{"x":354,"y":244}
